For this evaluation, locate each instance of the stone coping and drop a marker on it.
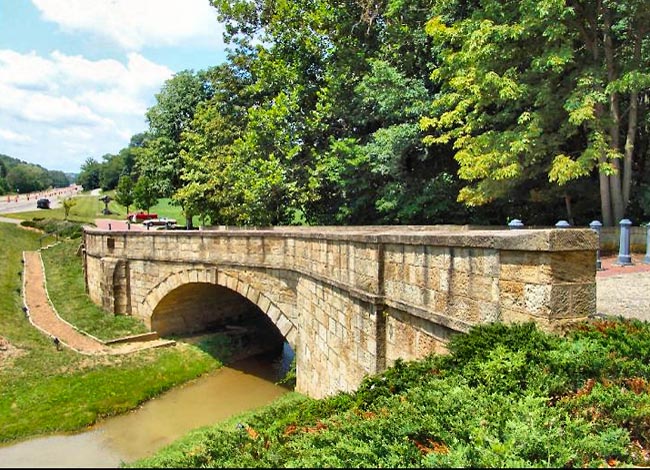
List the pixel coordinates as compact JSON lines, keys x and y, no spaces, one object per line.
{"x":447,"y":236}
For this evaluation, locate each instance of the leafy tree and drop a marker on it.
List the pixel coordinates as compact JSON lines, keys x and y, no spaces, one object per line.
{"x":312,"y":112}
{"x":541,"y":88}
{"x":168,"y":118}
{"x":89,"y":175}
{"x":124,"y":193}
{"x":26,"y":178}
{"x":144,"y":193}
{"x":110,"y":171}
{"x":58,"y":179}
{"x":4,"y":187}
{"x":68,"y":204}
{"x":209,"y":164}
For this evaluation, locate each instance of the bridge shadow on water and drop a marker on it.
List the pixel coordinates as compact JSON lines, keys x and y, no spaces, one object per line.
{"x":239,"y":348}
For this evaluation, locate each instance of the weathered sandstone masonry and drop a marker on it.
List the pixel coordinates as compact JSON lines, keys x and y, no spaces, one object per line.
{"x":350,"y":300}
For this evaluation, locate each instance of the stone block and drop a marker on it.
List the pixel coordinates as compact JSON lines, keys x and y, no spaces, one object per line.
{"x":464,"y":309}
{"x":516,"y":316}
{"x":528,"y":267}
{"x":438,"y":257}
{"x":264,"y":303}
{"x":573,"y":266}
{"x":583,"y":300}
{"x":273,"y":313}
{"x":537,"y":299}
{"x":485,"y":262}
{"x":415,"y":255}
{"x":489,"y":312}
{"x":460,"y":259}
{"x":511,"y":294}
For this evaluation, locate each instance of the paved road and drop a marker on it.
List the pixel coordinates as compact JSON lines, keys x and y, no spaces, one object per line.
{"x":27,"y":202}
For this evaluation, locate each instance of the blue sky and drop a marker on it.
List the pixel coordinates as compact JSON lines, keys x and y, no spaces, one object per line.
{"x":77,"y":76}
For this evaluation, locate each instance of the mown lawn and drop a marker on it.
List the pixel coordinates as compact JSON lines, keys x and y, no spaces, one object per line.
{"x":87,"y":208}
{"x":43,"y":390}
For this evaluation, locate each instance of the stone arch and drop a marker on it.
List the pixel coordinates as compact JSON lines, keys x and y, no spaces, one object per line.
{"x":210,"y":275}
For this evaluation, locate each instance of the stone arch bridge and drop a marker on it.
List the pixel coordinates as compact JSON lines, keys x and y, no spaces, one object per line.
{"x":349,"y":300}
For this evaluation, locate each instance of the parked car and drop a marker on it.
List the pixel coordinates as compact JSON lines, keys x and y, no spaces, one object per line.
{"x":43,"y":203}
{"x":162,"y":222}
{"x":141,"y":216}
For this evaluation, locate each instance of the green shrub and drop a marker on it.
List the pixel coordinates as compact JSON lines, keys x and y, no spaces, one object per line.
{"x":62,"y":228}
{"x":505,"y":396}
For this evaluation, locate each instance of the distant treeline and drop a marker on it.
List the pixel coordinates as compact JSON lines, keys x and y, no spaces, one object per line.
{"x":17,"y":176}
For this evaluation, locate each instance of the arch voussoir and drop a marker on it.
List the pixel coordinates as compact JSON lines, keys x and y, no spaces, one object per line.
{"x":212,"y":275}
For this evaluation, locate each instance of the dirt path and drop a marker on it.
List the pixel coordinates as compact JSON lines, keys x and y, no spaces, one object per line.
{"x":43,"y":316}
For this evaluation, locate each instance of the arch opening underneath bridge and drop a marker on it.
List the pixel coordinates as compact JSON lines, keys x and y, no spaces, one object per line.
{"x":200,"y":308}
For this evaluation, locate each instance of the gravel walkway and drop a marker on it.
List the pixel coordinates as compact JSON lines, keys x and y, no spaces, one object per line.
{"x":624,"y":290}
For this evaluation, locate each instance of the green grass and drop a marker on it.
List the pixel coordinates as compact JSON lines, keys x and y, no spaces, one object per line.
{"x":88,"y":208}
{"x":67,"y":292}
{"x":43,"y":390}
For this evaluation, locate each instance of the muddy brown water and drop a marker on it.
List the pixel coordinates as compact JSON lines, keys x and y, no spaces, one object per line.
{"x":247,"y":384}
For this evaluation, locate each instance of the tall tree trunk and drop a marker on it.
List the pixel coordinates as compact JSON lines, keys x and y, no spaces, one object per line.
{"x":615,"y":188}
{"x":629,"y":146}
{"x":589,"y":34}
{"x":603,"y":180}
{"x":605,"y":200}
{"x":631,"y":129}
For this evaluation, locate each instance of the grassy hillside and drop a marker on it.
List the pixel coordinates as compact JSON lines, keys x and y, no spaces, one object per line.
{"x":43,"y":390}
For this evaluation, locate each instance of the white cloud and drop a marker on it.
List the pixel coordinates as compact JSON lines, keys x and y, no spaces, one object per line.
{"x":134,"y":24}
{"x":27,"y":71}
{"x":11,"y":136}
{"x":61,"y":109}
{"x":112,"y":102}
{"x":74,"y":89}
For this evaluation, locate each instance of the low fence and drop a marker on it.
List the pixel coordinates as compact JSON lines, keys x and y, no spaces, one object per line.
{"x":624,"y":239}
{"x":610,"y":238}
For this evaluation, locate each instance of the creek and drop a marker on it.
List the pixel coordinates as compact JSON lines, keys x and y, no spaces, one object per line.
{"x":242,"y":386}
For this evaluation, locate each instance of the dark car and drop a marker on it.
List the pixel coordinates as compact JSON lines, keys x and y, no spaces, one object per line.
{"x":43,"y":203}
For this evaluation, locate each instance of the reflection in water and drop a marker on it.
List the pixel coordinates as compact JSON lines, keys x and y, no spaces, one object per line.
{"x":245,"y":385}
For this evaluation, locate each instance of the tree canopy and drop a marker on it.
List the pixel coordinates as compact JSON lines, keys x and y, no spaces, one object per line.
{"x":395,"y":112}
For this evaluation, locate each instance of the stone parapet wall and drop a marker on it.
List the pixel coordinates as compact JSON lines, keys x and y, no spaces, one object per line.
{"x":352,"y":300}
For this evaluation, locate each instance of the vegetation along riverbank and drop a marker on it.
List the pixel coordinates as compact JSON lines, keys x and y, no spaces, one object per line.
{"x":503,"y":396}
{"x":43,"y":390}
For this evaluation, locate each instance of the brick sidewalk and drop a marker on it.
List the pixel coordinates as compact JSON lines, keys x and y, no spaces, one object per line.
{"x":117,"y":225}
{"x":610,"y":268}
